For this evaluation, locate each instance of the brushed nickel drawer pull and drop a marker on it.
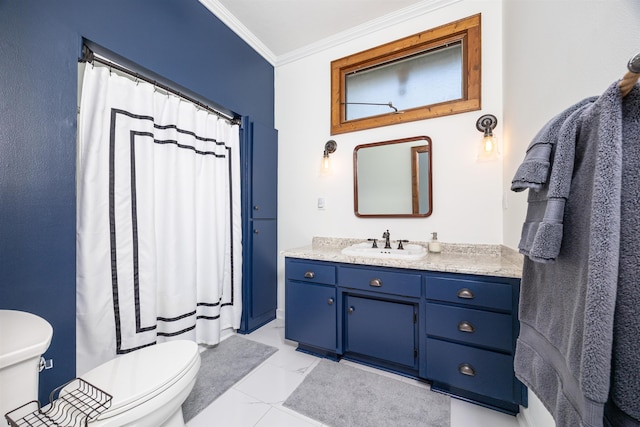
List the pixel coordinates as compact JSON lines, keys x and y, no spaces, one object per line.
{"x":309,"y":275}
{"x":466,"y":369}
{"x":465,"y":326}
{"x":465,"y":293}
{"x":330,"y":301}
{"x":376,"y":283}
{"x":351,"y":310}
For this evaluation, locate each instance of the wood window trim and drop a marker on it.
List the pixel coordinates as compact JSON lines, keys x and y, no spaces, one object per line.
{"x":466,"y":30}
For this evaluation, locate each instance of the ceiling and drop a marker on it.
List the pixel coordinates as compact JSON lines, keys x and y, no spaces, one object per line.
{"x":284,"y":26}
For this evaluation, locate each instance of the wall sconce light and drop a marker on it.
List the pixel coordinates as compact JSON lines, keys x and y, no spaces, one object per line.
{"x":329,"y":147}
{"x":488,"y":149}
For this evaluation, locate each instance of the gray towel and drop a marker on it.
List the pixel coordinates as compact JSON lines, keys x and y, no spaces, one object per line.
{"x":625,"y":387}
{"x":564,"y":351}
{"x":543,"y":228}
{"x":533,"y":173}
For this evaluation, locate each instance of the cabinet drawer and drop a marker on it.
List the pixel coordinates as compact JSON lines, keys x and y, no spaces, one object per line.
{"x":472,"y":369}
{"x":470,"y":292}
{"x":391,"y":282}
{"x":310,"y":272}
{"x":472,"y":326}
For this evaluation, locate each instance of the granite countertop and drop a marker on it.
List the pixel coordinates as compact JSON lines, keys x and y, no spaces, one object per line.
{"x":487,"y":260}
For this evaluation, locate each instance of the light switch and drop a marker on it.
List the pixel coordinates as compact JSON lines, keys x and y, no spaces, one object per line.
{"x":321,"y":203}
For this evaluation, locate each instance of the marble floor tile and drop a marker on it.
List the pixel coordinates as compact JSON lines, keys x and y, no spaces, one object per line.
{"x":256,"y":400}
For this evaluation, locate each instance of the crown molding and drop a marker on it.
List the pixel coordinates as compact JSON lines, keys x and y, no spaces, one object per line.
{"x":362,"y":30}
{"x":237,"y":27}
{"x":365,"y":29}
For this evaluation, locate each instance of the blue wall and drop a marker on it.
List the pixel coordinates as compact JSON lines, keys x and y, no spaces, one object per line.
{"x":40,"y":42}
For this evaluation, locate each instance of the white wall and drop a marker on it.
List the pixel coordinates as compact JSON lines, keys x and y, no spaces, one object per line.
{"x":555,"y":54}
{"x":467,"y":196}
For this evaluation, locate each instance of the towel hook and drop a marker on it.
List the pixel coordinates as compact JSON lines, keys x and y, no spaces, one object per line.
{"x":631,"y":77}
{"x":634,"y":64}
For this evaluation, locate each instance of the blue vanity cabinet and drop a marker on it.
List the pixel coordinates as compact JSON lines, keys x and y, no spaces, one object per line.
{"x":380,"y":311}
{"x":457,"y":331}
{"x":311,"y":306}
{"x":471,"y":327}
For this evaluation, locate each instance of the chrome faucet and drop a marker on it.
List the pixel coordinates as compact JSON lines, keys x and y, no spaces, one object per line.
{"x":387,"y":243}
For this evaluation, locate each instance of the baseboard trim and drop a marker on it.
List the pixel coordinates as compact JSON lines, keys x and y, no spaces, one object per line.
{"x":524,"y":419}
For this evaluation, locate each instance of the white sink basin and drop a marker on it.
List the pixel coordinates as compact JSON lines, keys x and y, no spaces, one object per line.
{"x":410,"y":251}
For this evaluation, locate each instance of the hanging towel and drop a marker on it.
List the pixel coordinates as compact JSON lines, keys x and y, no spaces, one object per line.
{"x":624,"y":406}
{"x":534,"y":171}
{"x":563,"y":353}
{"x":543,"y":228}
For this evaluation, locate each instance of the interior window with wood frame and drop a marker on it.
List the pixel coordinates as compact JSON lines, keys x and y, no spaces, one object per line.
{"x":430,"y":74}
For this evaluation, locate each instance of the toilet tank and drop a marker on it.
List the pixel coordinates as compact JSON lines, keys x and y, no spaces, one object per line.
{"x":24,"y":337}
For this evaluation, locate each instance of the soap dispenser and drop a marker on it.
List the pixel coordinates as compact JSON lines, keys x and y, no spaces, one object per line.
{"x":434,"y":245}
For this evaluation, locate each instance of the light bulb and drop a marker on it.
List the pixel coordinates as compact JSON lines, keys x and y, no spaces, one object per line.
{"x":326,"y":163}
{"x":488,"y":148}
{"x":488,"y":144}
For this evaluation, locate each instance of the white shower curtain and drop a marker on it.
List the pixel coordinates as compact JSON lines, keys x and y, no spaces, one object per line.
{"x":158,"y":220}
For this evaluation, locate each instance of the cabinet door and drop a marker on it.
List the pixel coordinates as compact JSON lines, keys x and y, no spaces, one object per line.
{"x":265,"y":172}
{"x":311,"y":314}
{"x":382,"y":329}
{"x":264,"y":279}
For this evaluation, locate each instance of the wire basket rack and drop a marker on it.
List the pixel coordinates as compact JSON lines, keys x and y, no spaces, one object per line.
{"x":78,"y":402}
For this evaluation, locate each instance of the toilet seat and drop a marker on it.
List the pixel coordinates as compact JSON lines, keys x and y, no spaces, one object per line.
{"x":139,"y":376}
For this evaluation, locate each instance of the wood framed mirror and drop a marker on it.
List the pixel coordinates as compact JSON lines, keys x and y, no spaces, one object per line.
{"x":393,"y":178}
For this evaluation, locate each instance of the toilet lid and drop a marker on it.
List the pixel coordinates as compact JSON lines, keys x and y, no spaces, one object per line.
{"x":22,"y":336}
{"x":140,"y":375}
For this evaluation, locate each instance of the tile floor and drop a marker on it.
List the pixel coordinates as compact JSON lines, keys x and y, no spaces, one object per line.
{"x":256,"y":400}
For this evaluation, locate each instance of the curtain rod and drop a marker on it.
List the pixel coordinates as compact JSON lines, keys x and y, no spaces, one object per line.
{"x":89,"y":57}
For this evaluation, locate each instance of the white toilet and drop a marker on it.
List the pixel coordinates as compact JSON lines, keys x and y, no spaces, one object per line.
{"x":24,"y":337}
{"x":148,"y":386}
